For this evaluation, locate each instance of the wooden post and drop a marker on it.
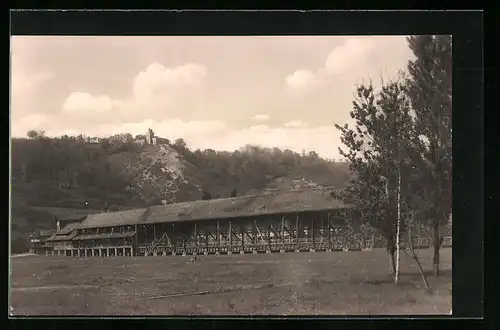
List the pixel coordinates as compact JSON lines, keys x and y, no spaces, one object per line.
{"x":218,"y":235}
{"x":254,"y":233}
{"x":206,"y":239}
{"x":312,"y":232}
{"x":230,"y":236}
{"x":242,"y":229}
{"x":329,"y":233}
{"x":283,"y":232}
{"x":154,"y":233}
{"x":136,"y":238}
{"x":297,"y":230}
{"x":269,"y":234}
{"x":174,"y":240}
{"x":195,"y":238}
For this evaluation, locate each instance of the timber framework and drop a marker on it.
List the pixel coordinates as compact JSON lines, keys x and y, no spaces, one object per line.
{"x":291,"y":221}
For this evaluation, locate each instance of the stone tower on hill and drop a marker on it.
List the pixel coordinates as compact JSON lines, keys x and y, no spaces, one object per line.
{"x":150,"y":137}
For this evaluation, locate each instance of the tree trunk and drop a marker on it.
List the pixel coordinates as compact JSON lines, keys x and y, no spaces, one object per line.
{"x":398,"y":227}
{"x":415,"y":257}
{"x":393,"y":259}
{"x":437,"y":245}
{"x":392,"y":252}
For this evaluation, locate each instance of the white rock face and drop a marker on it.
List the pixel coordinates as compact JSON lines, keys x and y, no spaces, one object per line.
{"x":159,"y":169}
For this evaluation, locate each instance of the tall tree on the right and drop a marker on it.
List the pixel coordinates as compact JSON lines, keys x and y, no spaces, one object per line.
{"x":429,"y":87}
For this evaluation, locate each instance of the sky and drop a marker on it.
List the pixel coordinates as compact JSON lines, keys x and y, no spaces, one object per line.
{"x":220,"y":93}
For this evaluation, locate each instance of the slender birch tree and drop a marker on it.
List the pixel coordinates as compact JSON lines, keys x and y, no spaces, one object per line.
{"x":376,"y":151}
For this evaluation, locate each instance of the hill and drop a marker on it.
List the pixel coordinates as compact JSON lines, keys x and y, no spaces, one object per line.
{"x":122,"y":172}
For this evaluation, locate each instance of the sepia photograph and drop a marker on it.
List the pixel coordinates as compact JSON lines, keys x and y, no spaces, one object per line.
{"x":230,"y":175}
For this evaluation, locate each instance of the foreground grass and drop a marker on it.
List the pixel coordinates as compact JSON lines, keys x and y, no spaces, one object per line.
{"x":337,"y":283}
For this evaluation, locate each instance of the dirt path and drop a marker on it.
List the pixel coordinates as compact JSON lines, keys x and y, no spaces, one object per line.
{"x":52,"y":287}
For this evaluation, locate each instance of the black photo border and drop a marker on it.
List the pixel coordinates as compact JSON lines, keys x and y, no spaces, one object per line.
{"x":466,"y":27}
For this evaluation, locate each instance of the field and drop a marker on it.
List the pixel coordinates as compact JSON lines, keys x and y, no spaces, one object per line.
{"x":321,"y":283}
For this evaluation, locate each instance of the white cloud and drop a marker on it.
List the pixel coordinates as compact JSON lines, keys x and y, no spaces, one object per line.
{"x":24,"y":87}
{"x":84,"y":101}
{"x":218,"y":136}
{"x":34,"y":121}
{"x":23,"y":82}
{"x":157,"y":79}
{"x":300,"y":79}
{"x":321,"y":139}
{"x":261,"y":117}
{"x":154,"y":90}
{"x":294,"y":123}
{"x":353,"y":54}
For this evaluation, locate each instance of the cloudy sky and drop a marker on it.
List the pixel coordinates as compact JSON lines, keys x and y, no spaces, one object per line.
{"x":215,"y":92}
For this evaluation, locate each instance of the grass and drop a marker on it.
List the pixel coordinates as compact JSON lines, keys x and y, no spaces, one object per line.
{"x":336,"y":283}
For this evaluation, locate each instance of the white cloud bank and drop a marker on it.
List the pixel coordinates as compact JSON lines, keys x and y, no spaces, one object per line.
{"x":301,"y":78}
{"x":154,"y":90}
{"x":350,"y":57}
{"x":261,"y":117}
{"x":85,"y":102}
{"x":296,"y":136}
{"x":23,"y":88}
{"x":295,"y":123}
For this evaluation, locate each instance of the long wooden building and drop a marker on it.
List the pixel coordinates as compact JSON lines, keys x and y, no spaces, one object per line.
{"x":303,"y":220}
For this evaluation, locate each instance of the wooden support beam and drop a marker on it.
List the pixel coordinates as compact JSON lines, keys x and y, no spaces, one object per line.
{"x":242,"y":229}
{"x":283,"y":232}
{"x":136,"y":237}
{"x":195,"y":236}
{"x":206,"y":238}
{"x":169,"y":241}
{"x":297,"y":229}
{"x":230,"y":235}
{"x":312,"y":231}
{"x":246,"y":233}
{"x":329,"y":233}
{"x":174,"y":239}
{"x":154,"y":233}
{"x":254,"y":232}
{"x":218,"y":234}
{"x":269,"y":229}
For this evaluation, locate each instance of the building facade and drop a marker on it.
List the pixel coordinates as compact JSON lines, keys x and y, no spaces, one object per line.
{"x":302,"y":220}
{"x":38,"y":241}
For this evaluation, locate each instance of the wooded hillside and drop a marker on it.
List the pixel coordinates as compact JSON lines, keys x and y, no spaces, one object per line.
{"x":119,"y":173}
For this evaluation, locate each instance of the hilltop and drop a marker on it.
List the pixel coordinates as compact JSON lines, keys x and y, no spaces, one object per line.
{"x":123,"y":172}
